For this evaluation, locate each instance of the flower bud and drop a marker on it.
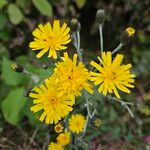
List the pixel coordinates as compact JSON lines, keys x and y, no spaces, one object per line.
{"x":127,"y":35}
{"x":59,"y":127}
{"x":100,"y":16}
{"x":96,"y":121}
{"x":75,"y":25}
{"x":17,"y":68}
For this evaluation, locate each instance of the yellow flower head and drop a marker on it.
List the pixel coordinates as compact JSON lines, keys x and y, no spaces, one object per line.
{"x":54,"y":104}
{"x":112,"y":75}
{"x":55,"y":146}
{"x":63,"y":138}
{"x":52,"y":39}
{"x":58,"y":128}
{"x":72,"y":76}
{"x":77,"y":123}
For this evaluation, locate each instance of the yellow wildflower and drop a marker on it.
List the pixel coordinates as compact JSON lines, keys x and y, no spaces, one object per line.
{"x":52,"y":39}
{"x":54,"y":104}
{"x":77,"y":123}
{"x":112,"y":75}
{"x":72,"y":76}
{"x":63,"y":138}
{"x":55,"y":146}
{"x":58,"y":128}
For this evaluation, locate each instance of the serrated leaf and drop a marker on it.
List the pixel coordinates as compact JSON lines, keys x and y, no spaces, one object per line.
{"x":8,"y":75}
{"x":15,"y":14}
{"x":12,"y":105}
{"x":3,"y":3}
{"x":43,"y":6}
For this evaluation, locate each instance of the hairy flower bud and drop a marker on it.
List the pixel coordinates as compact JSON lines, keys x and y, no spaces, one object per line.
{"x":17,"y":68}
{"x":100,"y":16}
{"x":96,"y":121}
{"x":127,"y":35}
{"x":75,"y":25}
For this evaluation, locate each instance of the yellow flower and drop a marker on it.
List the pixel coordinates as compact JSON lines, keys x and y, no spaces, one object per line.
{"x":64,"y":138}
{"x":52,"y":39}
{"x":55,"y":146}
{"x":77,"y":123}
{"x":54,"y":104}
{"x":72,"y":76}
{"x":58,"y":128}
{"x":112,"y":75}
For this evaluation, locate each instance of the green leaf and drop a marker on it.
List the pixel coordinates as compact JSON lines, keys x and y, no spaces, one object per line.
{"x":3,"y":21}
{"x":3,"y":51}
{"x":3,"y":3}
{"x":4,"y":35}
{"x":43,"y":6}
{"x":23,"y":3}
{"x":8,"y":75}
{"x":32,"y":117}
{"x":15,"y":14}
{"x":12,"y":105}
{"x":80,"y":3}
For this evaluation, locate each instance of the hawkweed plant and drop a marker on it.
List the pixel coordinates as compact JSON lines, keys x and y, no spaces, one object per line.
{"x":56,"y":98}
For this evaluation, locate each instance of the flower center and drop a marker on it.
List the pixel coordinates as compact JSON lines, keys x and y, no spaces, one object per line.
{"x":51,"y":41}
{"x":52,"y":100}
{"x":110,"y":74}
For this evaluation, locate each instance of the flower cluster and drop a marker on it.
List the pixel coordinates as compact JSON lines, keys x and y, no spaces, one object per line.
{"x":56,"y":97}
{"x":76,"y":125}
{"x":62,"y":140}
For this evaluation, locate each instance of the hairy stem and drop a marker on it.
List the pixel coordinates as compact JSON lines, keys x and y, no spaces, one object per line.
{"x":118,"y":48}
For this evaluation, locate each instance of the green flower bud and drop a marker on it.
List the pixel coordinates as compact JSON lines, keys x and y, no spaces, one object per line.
{"x":75,"y":25}
{"x":17,"y":68}
{"x":100,"y":16}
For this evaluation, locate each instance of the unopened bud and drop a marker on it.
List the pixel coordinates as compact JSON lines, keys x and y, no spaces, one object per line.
{"x":127,"y":35}
{"x":100,"y":16}
{"x":75,"y":25}
{"x":96,"y":121}
{"x":17,"y":68}
{"x":59,"y":127}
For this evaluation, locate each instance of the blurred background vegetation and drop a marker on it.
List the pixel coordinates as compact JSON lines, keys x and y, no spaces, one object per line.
{"x":19,"y":128}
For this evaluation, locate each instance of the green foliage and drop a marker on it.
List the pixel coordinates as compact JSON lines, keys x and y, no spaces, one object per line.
{"x":18,"y":18}
{"x":43,"y":6}
{"x":8,"y":75}
{"x":12,"y":105}
{"x":3,"y":21}
{"x":3,"y":3}
{"x":15,"y":14}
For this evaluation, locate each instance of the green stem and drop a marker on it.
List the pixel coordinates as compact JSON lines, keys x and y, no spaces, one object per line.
{"x":118,"y":48}
{"x":101,"y":37}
